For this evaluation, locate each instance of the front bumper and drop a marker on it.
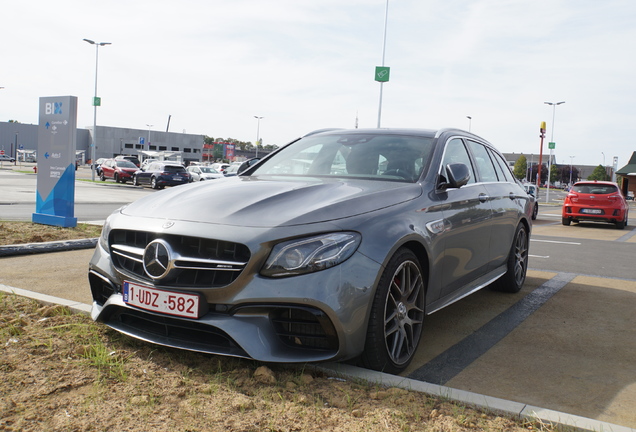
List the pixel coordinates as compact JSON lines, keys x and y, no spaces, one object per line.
{"x":314,"y":317}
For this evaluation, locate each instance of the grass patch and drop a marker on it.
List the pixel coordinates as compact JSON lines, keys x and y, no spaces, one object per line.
{"x":12,"y":233}
{"x":62,"y":371}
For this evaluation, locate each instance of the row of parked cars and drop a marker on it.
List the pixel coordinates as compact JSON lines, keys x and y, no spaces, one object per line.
{"x":159,"y":174}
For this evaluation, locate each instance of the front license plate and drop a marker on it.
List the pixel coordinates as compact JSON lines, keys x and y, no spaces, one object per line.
{"x":167,"y":302}
{"x":592,"y":211}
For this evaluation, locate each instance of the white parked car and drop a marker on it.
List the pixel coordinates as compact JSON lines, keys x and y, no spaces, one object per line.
{"x":200,"y":173}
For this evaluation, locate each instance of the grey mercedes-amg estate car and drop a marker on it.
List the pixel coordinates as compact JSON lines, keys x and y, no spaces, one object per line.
{"x":334,"y":247}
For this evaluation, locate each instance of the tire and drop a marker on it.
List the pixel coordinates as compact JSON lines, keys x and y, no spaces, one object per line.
{"x":535,"y":211}
{"x":622,"y":224}
{"x":566,"y":221}
{"x":153,"y":183}
{"x":397,"y":314}
{"x":517,"y":265}
{"x":116,"y":178}
{"x":102,"y":176}
{"x":134,"y":181}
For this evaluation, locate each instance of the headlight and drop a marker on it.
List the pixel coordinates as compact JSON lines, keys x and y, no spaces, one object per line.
{"x":310,"y":254}
{"x":103,"y":238}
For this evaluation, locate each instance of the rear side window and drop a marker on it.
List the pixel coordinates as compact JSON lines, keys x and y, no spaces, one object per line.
{"x":485,"y":167}
{"x":502,"y":167}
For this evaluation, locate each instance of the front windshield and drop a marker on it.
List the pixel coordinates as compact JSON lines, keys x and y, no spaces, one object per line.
{"x":363,"y":155}
{"x":125,"y":164}
{"x":209,"y":170}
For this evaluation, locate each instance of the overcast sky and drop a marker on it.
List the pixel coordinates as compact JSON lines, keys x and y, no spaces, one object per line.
{"x":212,"y":65}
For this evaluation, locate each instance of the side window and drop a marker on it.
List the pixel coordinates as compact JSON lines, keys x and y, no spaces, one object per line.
{"x":500,"y":174}
{"x":455,"y":152}
{"x":485,"y":167}
{"x":503,"y":166}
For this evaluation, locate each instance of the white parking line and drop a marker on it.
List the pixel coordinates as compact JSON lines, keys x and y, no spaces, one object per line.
{"x":558,"y":242}
{"x":539,"y":256}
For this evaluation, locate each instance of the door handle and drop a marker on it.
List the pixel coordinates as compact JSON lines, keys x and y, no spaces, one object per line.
{"x":512,"y":195}
{"x":483,"y":197}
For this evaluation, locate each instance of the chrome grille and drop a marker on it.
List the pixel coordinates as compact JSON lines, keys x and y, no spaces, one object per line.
{"x":200,"y":262}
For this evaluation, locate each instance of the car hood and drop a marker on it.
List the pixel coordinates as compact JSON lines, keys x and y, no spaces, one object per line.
{"x":254,"y":202}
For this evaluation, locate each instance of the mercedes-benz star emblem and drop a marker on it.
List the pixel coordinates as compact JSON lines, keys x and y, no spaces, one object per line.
{"x":157,"y":259}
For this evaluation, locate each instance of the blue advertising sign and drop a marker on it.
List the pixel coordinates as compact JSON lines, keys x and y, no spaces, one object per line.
{"x":57,"y":132}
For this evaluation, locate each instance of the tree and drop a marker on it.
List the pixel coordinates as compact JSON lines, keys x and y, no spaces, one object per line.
{"x":520,"y":167}
{"x":554,"y":175}
{"x":599,"y":173}
{"x":566,"y":176}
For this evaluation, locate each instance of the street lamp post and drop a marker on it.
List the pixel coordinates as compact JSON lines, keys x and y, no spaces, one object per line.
{"x":554,"y":105}
{"x":571,"y":157}
{"x":386,"y":20}
{"x":470,"y":120}
{"x":95,"y":104}
{"x":258,"y":129}
{"x":148,"y":143}
{"x":604,"y":167}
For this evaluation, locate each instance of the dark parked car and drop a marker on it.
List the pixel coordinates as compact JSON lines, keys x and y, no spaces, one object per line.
{"x":133,"y":159}
{"x":533,"y":191}
{"x":598,"y":201}
{"x":161,"y":174}
{"x":119,"y":170}
{"x":333,"y":247}
{"x":97,"y":165}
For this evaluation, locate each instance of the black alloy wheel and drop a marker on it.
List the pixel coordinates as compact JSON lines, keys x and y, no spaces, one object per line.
{"x":397,"y":315}
{"x":517,"y":265}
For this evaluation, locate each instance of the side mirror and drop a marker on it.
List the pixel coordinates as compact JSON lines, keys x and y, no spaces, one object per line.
{"x":247,"y":164}
{"x":457,"y":175}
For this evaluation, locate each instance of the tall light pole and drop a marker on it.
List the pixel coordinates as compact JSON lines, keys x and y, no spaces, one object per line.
{"x":554,"y":105}
{"x":258,"y":130}
{"x":571,"y":157}
{"x":96,"y":103}
{"x":470,"y":120}
{"x":149,"y":126}
{"x":386,"y":20}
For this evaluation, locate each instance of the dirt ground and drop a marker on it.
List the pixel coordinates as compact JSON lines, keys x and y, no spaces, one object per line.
{"x":63,"y":372}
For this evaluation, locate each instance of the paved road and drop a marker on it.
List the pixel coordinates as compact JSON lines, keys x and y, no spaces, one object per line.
{"x":93,"y":201}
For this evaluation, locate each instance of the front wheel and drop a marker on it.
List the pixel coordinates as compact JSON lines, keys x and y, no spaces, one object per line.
{"x":397,"y":314}
{"x":517,"y":264}
{"x":153,"y":183}
{"x":535,"y":212}
{"x":102,"y":176}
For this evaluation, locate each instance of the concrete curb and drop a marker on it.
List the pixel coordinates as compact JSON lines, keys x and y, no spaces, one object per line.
{"x":485,"y":403}
{"x":45,"y":247}
{"x":482,"y":402}
{"x":76,"y":307}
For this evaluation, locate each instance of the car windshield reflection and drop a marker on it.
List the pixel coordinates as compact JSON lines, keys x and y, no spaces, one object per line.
{"x":384,"y":157}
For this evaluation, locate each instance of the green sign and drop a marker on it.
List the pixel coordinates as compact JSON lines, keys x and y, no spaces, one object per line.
{"x":382,"y":73}
{"x":551,"y":146}
{"x":97,"y":101}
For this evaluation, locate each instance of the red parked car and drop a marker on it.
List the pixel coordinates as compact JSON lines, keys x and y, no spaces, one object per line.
{"x":598,"y":201}
{"x":120,"y":170}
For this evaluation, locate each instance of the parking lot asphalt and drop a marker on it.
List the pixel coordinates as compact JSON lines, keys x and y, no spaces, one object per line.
{"x":562,"y":349}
